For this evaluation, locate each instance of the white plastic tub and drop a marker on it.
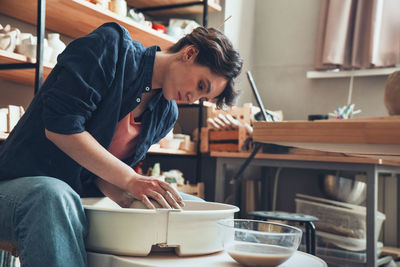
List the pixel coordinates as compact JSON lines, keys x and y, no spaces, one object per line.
{"x":337,"y":217}
{"x":133,"y":232}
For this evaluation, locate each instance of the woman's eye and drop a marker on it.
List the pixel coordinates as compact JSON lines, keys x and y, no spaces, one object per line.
{"x":201,"y":87}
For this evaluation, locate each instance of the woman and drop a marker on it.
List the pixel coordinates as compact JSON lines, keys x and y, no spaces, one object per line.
{"x":105,"y":102}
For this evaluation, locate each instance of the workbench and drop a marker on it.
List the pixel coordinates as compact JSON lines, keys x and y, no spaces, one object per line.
{"x":372,"y":168}
{"x":369,"y":145}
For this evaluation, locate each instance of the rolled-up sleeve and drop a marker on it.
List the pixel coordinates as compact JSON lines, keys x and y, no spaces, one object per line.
{"x":81,"y":77}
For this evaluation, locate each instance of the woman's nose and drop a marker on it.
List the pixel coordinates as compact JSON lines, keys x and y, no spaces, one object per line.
{"x":190,"y":98}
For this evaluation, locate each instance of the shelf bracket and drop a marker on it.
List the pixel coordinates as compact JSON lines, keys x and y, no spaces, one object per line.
{"x":15,"y":66}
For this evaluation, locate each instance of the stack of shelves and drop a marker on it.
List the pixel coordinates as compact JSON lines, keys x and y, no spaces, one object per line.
{"x":66,"y":17}
{"x":76,"y":18}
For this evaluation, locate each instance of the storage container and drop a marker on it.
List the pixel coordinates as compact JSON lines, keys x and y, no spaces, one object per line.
{"x":334,"y":255}
{"x":338,"y":218}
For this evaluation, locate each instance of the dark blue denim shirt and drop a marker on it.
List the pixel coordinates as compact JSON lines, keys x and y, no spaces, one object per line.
{"x":97,"y":81}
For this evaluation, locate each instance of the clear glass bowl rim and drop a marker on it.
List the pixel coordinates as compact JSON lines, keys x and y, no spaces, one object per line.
{"x":296,"y":231}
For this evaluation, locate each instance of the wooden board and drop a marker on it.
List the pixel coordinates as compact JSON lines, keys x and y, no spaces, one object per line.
{"x":224,"y":147}
{"x":370,"y":137}
{"x":334,"y":131}
{"x":223,"y":135}
{"x":77,"y":18}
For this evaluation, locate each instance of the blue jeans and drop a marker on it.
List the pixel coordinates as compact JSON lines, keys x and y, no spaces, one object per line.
{"x":45,"y":217}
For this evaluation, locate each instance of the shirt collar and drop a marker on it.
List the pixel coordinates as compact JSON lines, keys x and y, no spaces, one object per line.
{"x":148,"y":66}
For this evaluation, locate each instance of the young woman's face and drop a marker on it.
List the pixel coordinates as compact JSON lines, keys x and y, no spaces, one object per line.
{"x":187,"y":81}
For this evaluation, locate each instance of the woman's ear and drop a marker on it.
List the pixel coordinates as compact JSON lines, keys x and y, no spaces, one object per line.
{"x":190,"y":52}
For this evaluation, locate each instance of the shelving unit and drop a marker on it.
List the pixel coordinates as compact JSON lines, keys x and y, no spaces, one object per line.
{"x":76,"y":18}
{"x":349,"y":73}
{"x":174,"y":7}
{"x":24,"y":76}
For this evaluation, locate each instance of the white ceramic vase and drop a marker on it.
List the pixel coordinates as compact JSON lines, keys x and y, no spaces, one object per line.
{"x":119,"y":7}
{"x":57,"y":46}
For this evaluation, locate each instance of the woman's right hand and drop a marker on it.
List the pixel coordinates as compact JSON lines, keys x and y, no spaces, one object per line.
{"x":143,"y":188}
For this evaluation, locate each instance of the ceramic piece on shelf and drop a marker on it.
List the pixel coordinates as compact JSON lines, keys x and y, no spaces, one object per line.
{"x":136,"y":16}
{"x":19,"y":48}
{"x":139,"y":18}
{"x":28,"y":48}
{"x":8,"y":38}
{"x":119,"y":7}
{"x":186,"y":25}
{"x":176,"y":32}
{"x":57,"y":46}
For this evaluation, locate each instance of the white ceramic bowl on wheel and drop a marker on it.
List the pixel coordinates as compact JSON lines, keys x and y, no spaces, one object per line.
{"x":127,"y":231}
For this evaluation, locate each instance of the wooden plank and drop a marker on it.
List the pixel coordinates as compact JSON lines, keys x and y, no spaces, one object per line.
{"x":345,"y":158}
{"x":376,"y":150}
{"x":23,"y":76}
{"x":224,"y":147}
{"x":223,"y":135}
{"x":166,"y":151}
{"x":337,"y":131}
{"x":197,"y":9}
{"x":76,"y":18}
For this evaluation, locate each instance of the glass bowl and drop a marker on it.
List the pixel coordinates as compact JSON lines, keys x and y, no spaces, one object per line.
{"x":258,"y":243}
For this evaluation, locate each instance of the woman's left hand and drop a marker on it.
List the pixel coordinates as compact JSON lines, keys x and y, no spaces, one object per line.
{"x":143,"y":188}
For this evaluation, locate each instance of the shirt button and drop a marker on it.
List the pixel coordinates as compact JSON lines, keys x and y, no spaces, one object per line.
{"x":147,"y":88}
{"x":138,"y":100}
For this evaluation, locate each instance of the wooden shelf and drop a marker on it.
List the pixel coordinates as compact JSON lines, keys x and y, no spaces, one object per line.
{"x":166,"y":151}
{"x":349,"y":73}
{"x":24,"y":76}
{"x":298,"y":157}
{"x":197,"y":9}
{"x":76,"y":18}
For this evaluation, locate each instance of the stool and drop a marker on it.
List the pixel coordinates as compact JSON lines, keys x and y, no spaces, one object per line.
{"x":10,"y":247}
{"x":307,"y":220}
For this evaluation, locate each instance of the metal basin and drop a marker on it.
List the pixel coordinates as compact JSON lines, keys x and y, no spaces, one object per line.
{"x":350,"y":190}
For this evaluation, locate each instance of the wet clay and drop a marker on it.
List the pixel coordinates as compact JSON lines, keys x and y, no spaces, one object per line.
{"x":259,"y":255}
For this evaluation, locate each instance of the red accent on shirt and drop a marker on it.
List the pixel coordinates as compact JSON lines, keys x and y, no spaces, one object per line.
{"x":126,"y":137}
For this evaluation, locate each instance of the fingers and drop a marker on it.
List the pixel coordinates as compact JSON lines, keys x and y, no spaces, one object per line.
{"x":148,"y":203}
{"x":150,"y":188}
{"x":171,"y":200}
{"x":173,"y":193}
{"x":160,"y":199}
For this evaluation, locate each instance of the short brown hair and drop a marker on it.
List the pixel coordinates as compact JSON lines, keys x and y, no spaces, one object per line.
{"x":392,"y":93}
{"x":217,"y":53}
